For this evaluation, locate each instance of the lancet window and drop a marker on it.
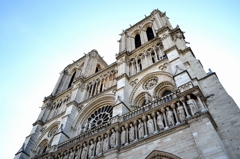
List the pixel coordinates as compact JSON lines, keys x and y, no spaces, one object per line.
{"x":150,"y":34}
{"x":71,"y":80}
{"x":137,"y":41}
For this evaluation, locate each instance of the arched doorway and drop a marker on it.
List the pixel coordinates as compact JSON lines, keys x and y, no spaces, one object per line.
{"x":156,"y":154}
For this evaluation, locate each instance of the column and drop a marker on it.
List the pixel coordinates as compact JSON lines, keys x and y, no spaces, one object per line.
{"x":164,"y":117}
{"x":135,"y":131}
{"x":136,"y":61}
{"x":175,"y":114}
{"x":145,"y":126}
{"x":126,"y":127}
{"x":92,"y":85}
{"x":99,"y":86}
{"x":155,"y":54}
{"x":107,"y":81}
{"x":155,"y":123}
{"x":201,"y":104}
{"x":185,"y":108}
{"x":117,"y":137}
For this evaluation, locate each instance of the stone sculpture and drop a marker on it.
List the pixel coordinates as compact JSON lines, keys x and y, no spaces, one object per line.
{"x":192,"y":104}
{"x":146,"y":98}
{"x":91,"y":150}
{"x":65,"y":155}
{"x":71,"y":155}
{"x":160,"y":121}
{"x":84,"y":151}
{"x":150,"y":125}
{"x":113,"y":139}
{"x":78,"y":153}
{"x":123,"y":136}
{"x":105,"y":143}
{"x":131,"y":133}
{"x":140,"y":129}
{"x":170,"y":119}
{"x":85,"y":128}
{"x":98,"y":146}
{"x":180,"y":112}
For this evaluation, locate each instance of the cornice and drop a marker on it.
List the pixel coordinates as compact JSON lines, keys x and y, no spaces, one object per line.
{"x":122,"y":76}
{"x":170,"y":49}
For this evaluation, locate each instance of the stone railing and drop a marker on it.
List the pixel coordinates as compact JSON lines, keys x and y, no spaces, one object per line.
{"x":160,"y":116}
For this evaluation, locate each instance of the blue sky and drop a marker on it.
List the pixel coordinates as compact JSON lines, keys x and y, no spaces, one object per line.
{"x":39,"y":38}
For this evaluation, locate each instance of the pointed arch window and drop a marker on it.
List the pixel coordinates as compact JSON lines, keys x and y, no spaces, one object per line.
{"x":150,"y":34}
{"x":71,"y":81}
{"x":137,"y":41}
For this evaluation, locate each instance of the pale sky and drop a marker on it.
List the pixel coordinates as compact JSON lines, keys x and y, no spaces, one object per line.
{"x":39,"y":38}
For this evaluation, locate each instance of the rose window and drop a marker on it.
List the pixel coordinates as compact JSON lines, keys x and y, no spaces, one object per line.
{"x":100,"y":116}
{"x":149,"y":84}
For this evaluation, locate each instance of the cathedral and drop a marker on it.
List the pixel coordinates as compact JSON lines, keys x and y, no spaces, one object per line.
{"x":154,"y":102}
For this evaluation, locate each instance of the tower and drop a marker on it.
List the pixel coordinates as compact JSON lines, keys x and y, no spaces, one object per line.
{"x":154,"y":100}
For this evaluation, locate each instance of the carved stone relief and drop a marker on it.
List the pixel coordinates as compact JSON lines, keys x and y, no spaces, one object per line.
{"x":149,"y":84}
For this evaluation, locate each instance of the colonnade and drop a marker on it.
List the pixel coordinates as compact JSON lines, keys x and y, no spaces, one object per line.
{"x":101,"y":84}
{"x":145,"y":59}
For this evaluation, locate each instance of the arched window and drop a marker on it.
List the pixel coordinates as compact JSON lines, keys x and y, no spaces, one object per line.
{"x":97,"y":68}
{"x":137,"y":41}
{"x":165,"y":93}
{"x":71,"y":81}
{"x":150,"y":34}
{"x":153,"y":59}
{"x":139,"y":64}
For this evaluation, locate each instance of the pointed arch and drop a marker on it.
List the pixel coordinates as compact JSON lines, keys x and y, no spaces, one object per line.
{"x":149,"y":33}
{"x":163,"y":76}
{"x":161,"y":154}
{"x":137,"y":40}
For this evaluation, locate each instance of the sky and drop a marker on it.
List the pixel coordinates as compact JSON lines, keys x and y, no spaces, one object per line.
{"x":39,"y":38}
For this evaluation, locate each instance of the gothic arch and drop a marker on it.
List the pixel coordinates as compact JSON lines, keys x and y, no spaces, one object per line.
{"x":90,"y":108}
{"x":146,"y":25}
{"x":141,"y":99}
{"x":156,"y":154}
{"x":163,"y":74}
{"x":46,"y":131}
{"x":164,"y":86}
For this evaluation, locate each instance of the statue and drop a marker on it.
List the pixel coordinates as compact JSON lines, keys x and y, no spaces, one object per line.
{"x":140,"y":129}
{"x":150,"y":125}
{"x":84,"y":151}
{"x":85,"y":128}
{"x":170,"y":119}
{"x":80,"y":129}
{"x":78,"y":153}
{"x":160,"y":121}
{"x":71,"y":155}
{"x":113,"y":139}
{"x":192,"y":104}
{"x":38,"y":150}
{"x":146,"y":98}
{"x":123,"y":136}
{"x":180,"y":112}
{"x":59,"y":156}
{"x":131,"y":133}
{"x":98,"y":146}
{"x":65,"y":155}
{"x":91,"y":150}
{"x":105,"y":143}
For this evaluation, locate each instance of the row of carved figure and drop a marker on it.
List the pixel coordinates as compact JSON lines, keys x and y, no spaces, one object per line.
{"x":133,"y":131}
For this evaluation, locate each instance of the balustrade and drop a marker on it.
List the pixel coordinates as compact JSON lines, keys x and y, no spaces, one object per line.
{"x":156,"y":117}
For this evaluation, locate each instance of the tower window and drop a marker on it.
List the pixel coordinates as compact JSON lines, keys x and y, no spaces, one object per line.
{"x":71,"y":81}
{"x":137,"y":41}
{"x":150,"y":34}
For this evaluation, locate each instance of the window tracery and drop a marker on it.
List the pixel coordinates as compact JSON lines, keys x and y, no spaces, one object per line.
{"x":149,"y":84}
{"x":100,"y":116}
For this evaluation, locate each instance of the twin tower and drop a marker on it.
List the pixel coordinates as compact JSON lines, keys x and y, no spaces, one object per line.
{"x":154,"y":101}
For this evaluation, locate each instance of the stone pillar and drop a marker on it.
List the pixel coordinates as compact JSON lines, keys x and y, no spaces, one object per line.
{"x":175,"y":114}
{"x":164,"y":117}
{"x":126,"y":126}
{"x":136,"y":61}
{"x":92,"y":85}
{"x":136,"y":132}
{"x":117,"y":137}
{"x":200,"y":102}
{"x":185,"y":108}
{"x":155,"y":122}
{"x":145,"y":126}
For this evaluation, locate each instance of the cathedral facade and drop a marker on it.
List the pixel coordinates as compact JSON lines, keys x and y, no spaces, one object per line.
{"x":154,"y":101}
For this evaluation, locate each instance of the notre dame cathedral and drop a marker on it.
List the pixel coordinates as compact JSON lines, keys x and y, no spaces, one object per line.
{"x":154,"y":102}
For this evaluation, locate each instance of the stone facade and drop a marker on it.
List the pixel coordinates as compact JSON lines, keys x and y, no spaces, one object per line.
{"x":155,"y":101}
